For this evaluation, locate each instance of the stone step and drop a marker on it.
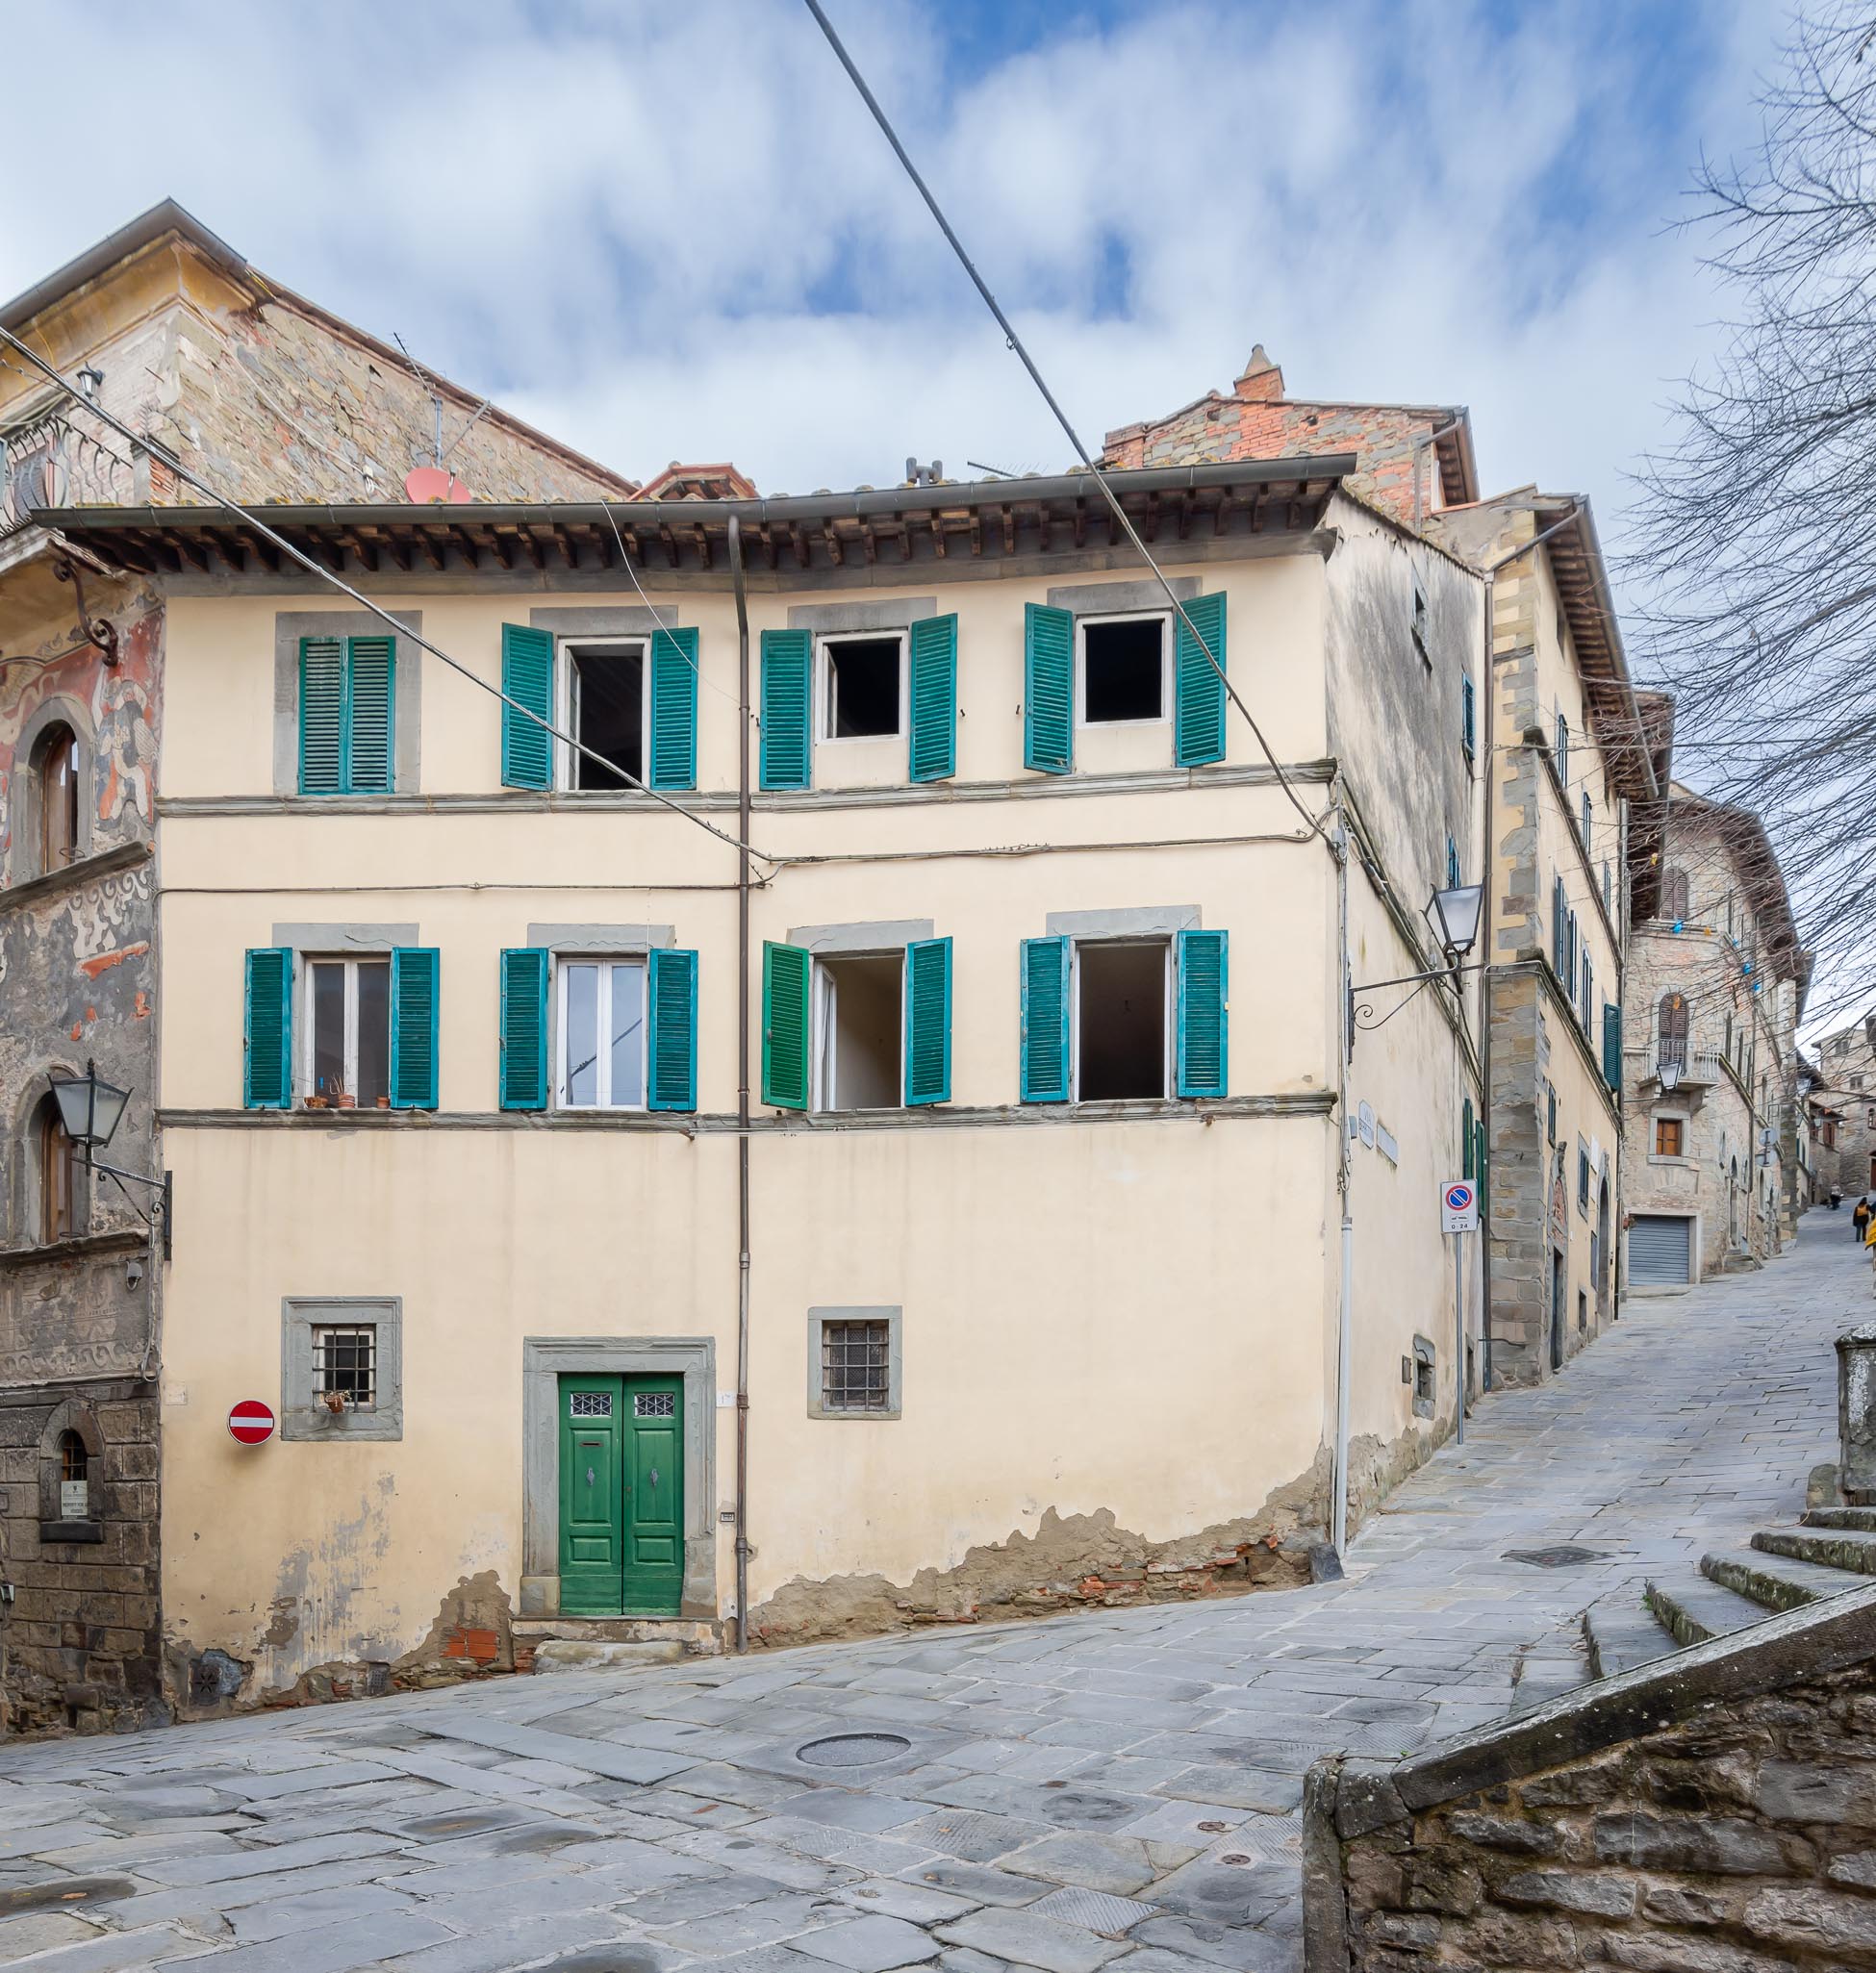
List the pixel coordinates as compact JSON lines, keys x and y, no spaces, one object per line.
{"x":594,"y":1655}
{"x":1840,"y":1517}
{"x":1622,"y":1632}
{"x":1773,"y":1581}
{"x":1693,"y":1608}
{"x":1851,"y":1549}
{"x":693,"y":1640}
{"x":1542,"y":1680}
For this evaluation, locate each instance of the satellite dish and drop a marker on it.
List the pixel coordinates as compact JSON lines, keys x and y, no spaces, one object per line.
{"x":430,"y":486}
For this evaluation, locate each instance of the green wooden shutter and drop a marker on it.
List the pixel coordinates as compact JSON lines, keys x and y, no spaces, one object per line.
{"x":1048,"y":689}
{"x":929,"y":1020}
{"x":1481,"y":1169}
{"x":528,"y":677}
{"x":1613,"y":1044}
{"x":1451,"y":864}
{"x":934,"y":699}
{"x":321,"y":716}
{"x":371,"y":715}
{"x":671,"y":996}
{"x":1045,"y":1040}
{"x":1468,"y":1143}
{"x":1204,"y":1001}
{"x":1198,"y":704}
{"x":1468,"y":717}
{"x":414,"y":1028}
{"x":268,"y":1030}
{"x":524,"y":1071}
{"x":787,"y":756}
{"x":672,"y":753}
{"x":787,"y":971}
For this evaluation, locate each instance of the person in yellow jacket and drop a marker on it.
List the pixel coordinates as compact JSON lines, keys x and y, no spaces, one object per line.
{"x":1870,"y":1244}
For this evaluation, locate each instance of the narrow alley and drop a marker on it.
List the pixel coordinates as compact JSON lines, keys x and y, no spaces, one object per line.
{"x":1055,"y":1794}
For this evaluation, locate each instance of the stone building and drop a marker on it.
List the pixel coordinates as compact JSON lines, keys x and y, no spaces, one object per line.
{"x":1845,"y":1098}
{"x":1553,"y":739}
{"x":174,"y":333}
{"x":1717,"y":987}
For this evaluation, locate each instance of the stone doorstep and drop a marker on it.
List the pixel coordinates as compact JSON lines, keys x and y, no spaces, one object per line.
{"x":698,"y":1640}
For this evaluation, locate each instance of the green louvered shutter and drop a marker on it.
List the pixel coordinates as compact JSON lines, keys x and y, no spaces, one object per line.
{"x":671,"y":993}
{"x":1045,"y":1021}
{"x":1199,"y":720}
{"x":1468,"y":1143}
{"x":1204,"y":1001}
{"x":1613,"y":1044}
{"x":321,"y":716}
{"x":414,"y":1028}
{"x":267,"y":1029}
{"x":1048,"y":689}
{"x":528,"y":677}
{"x":523,"y":1072}
{"x":674,"y":708}
{"x":786,"y":974}
{"x":1481,"y":1169}
{"x":1468,"y":718}
{"x":370,"y":735}
{"x":787,"y":759}
{"x":929,"y":1020}
{"x":934,"y":699}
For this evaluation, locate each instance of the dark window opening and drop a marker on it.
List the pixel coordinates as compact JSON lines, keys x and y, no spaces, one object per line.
{"x":1121,"y":1021}
{"x":606,"y":712}
{"x":1423,"y":1380}
{"x":857,"y":1366}
{"x":58,"y":790}
{"x":57,"y":1176}
{"x":345,"y":1368}
{"x":863,"y":687}
{"x":74,"y":1478}
{"x":1583,"y":1310}
{"x":859,"y":1052}
{"x":1123,"y":667}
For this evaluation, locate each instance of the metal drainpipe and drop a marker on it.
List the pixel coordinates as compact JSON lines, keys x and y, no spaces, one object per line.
{"x":1345,"y":1310}
{"x":742,"y":1091}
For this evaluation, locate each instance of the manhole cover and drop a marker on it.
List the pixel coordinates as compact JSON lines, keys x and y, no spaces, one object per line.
{"x":1552,"y":1557}
{"x":853,"y":1750}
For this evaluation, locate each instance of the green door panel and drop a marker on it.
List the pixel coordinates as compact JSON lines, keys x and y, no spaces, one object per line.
{"x":591,"y":1545}
{"x":622,"y":1496}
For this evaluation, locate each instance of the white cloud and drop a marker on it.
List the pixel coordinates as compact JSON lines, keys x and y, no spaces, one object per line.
{"x":675,"y":232}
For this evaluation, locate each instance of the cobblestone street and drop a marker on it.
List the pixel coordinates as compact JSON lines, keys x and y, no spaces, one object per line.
{"x":1057,"y":1795}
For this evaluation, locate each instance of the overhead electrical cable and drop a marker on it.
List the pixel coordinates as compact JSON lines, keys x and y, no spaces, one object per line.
{"x":1082,"y":454}
{"x":279,"y":541}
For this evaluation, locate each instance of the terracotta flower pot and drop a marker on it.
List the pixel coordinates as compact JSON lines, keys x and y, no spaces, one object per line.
{"x":345,"y":1100}
{"x":383,"y":1103}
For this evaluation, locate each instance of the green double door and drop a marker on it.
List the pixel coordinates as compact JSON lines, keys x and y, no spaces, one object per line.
{"x":622,"y":1496}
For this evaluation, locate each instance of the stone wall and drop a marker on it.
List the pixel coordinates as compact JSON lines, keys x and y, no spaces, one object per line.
{"x":1713,"y":1815}
{"x":80,"y":1644}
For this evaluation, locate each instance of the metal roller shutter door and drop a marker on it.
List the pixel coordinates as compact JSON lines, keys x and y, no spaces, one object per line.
{"x":1660,"y":1251}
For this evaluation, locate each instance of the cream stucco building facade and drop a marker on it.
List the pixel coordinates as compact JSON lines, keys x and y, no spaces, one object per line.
{"x":1078,"y":1243}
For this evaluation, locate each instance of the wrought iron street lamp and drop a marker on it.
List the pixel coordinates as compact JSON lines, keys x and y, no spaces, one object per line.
{"x":1453,"y":914}
{"x":1668,"y":1070}
{"x":90,"y":1111}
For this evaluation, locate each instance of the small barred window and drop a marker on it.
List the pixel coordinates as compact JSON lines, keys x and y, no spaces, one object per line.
{"x":345,"y":1368}
{"x":654,"y":1405}
{"x":857,"y":1366}
{"x":592,"y":1404}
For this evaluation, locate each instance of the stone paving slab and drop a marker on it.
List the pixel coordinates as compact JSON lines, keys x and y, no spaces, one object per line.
{"x":1110,"y":1789}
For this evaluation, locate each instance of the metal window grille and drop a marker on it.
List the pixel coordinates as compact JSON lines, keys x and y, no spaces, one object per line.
{"x":857,"y":1366}
{"x":654,"y":1405}
{"x":346,"y":1366}
{"x":590,"y":1405}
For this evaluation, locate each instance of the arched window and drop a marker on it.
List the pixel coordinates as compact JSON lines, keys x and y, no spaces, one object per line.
{"x":74,"y":1482}
{"x":1674,"y":895}
{"x":1672,"y":1019}
{"x":56,"y":769}
{"x":57,"y":1174}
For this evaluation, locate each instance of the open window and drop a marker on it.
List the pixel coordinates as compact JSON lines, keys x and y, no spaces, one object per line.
{"x":57,"y":1159}
{"x":603,"y":706}
{"x":862,"y":687}
{"x":348,"y":1063}
{"x":1122,"y":1019}
{"x":601,"y":1028}
{"x":74,"y":1478}
{"x":858,"y":1032}
{"x":1120,"y":676}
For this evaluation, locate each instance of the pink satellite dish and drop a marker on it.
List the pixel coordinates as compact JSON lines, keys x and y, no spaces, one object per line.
{"x":430,"y":486}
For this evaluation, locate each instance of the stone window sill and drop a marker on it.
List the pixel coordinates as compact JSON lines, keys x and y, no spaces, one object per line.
{"x":73,"y":876}
{"x":1656,"y":1157}
{"x":71,"y":1530}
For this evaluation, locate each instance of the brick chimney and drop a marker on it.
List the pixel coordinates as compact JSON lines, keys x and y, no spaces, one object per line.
{"x":1262,"y":382}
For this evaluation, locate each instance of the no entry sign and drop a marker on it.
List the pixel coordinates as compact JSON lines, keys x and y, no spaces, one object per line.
{"x":250,"y":1422}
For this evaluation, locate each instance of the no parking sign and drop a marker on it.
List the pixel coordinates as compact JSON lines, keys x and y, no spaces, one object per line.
{"x":1458,"y":1206}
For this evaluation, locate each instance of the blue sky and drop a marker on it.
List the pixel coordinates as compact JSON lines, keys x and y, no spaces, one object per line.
{"x":673,"y":232}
